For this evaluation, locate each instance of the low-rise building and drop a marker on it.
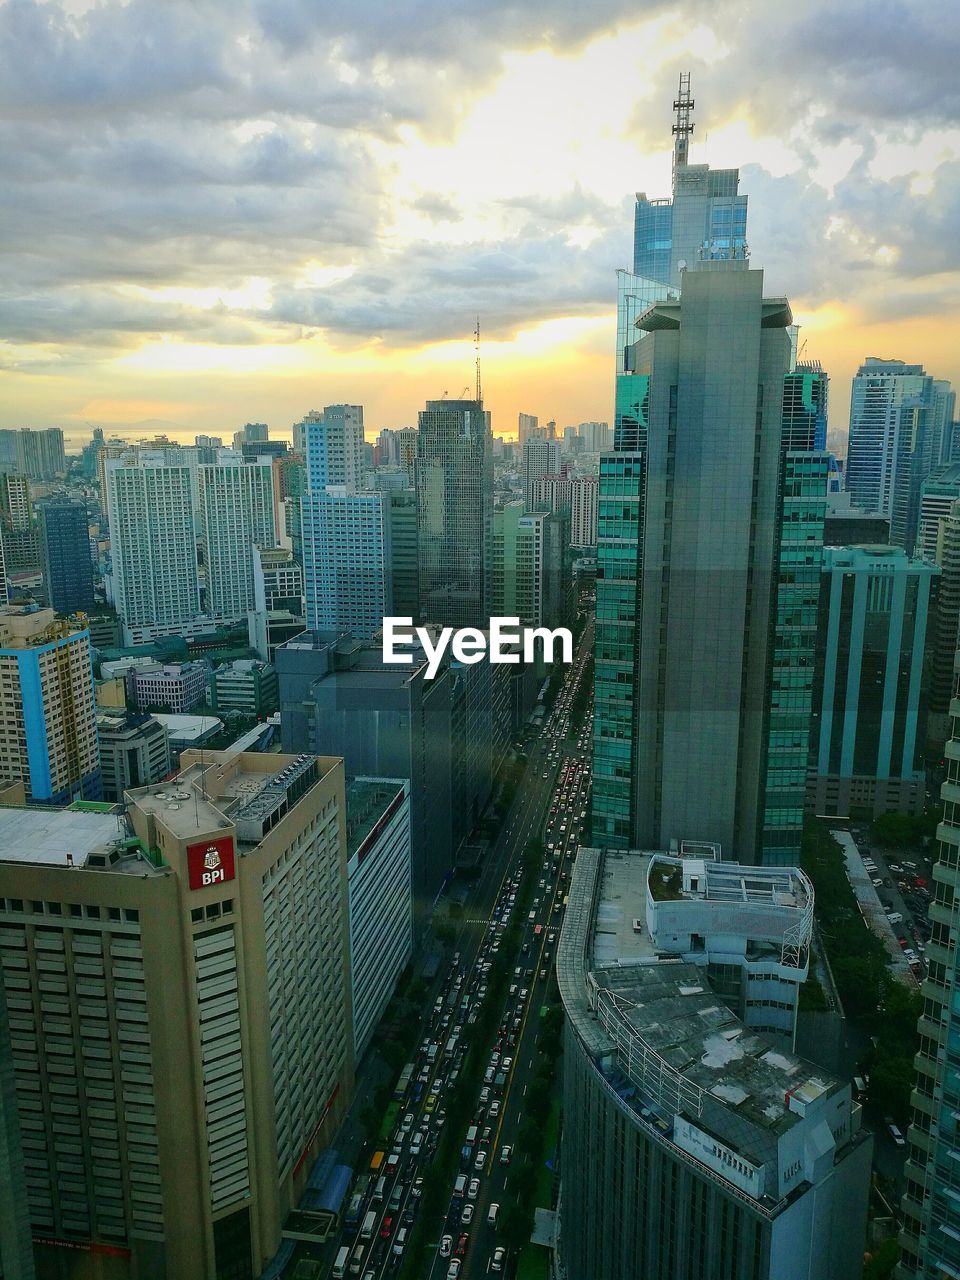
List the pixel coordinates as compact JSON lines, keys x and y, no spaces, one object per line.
{"x":246,"y":685}
{"x":175,"y":686}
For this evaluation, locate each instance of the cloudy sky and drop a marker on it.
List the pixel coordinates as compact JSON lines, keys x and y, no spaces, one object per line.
{"x":216,"y":211}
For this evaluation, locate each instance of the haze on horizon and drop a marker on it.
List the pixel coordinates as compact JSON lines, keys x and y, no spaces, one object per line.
{"x":226,"y":213}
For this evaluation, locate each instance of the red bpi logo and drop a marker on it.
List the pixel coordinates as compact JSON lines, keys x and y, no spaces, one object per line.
{"x":211,"y":862}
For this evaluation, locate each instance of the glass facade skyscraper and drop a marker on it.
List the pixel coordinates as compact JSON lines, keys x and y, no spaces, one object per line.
{"x":805,"y":398}
{"x":706,"y":218}
{"x":454,"y":472}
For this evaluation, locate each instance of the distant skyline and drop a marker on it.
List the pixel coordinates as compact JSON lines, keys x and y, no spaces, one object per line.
{"x":226,"y":213}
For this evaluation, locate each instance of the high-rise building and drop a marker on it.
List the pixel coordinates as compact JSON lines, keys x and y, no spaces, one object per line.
{"x":19,"y":534}
{"x":334,"y":447}
{"x":595,"y":435}
{"x":619,"y":541}
{"x":381,"y":897}
{"x":236,"y":514}
{"x":697,"y":674}
{"x":930,"y":1236}
{"x":346,"y":560}
{"x":945,"y":626}
{"x":153,"y":546}
{"x":539,"y":458}
{"x":67,"y":567}
{"x":527,"y":428}
{"x":199,"y":1053}
{"x":16,"y":1245}
{"x":803,"y":512}
{"x":40,"y":454}
{"x":48,"y":725}
{"x":455,"y":503}
{"x":871,"y":689}
{"x":674,"y":1095}
{"x":583,"y":512}
{"x":706,"y":219}
{"x":278,"y":608}
{"x":528,"y":566}
{"x":939,"y":492}
{"x":403,"y":542}
{"x":385,"y":721}
{"x":805,"y":399}
{"x":251,"y":433}
{"x":898,"y":421}
{"x":134,"y":751}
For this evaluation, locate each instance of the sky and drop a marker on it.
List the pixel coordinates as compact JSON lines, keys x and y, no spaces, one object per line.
{"x":221,"y":211}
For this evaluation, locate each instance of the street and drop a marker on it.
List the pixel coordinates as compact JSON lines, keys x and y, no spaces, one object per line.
{"x":384,"y":1203}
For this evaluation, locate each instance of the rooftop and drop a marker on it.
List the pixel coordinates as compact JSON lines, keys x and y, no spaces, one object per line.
{"x":664,"y":1041}
{"x":63,"y":837}
{"x":367,"y":802}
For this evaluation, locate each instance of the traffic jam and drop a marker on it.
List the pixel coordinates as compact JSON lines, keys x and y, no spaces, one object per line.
{"x":386,"y":1200}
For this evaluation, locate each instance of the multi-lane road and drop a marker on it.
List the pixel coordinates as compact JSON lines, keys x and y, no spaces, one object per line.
{"x":551,"y":802}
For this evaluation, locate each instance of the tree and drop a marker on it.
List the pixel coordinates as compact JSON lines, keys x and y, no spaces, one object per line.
{"x":882,"y":1261}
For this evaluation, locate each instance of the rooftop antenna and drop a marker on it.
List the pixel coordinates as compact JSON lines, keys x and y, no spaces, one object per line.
{"x":683,"y":127}
{"x":477,"y":341}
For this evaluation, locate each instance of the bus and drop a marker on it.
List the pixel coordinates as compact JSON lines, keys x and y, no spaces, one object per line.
{"x":400,"y":1092}
{"x":355,"y":1208}
{"x":376,"y":1161}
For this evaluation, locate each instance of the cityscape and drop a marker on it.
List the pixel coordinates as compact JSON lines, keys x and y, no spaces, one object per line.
{"x":449,"y":843}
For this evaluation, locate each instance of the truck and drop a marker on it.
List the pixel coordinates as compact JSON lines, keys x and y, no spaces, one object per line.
{"x":340,"y":1266}
{"x":376,"y":1160}
{"x":432,"y":1051}
{"x":400,"y":1092}
{"x":369,"y":1222}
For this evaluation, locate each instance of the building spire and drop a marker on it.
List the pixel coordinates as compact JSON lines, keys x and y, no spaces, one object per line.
{"x":477,"y":340}
{"x":682,"y":129}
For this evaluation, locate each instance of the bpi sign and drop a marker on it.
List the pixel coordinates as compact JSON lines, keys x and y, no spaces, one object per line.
{"x":211,"y":862}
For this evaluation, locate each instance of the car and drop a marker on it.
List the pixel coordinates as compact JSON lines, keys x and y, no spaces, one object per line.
{"x":416,"y":1191}
{"x":481,"y":1160}
{"x":454,"y":1269}
{"x":895,"y":1133}
{"x":466,"y":1215}
{"x":462,"y":1244}
{"x":473,"y":1189}
{"x":446,"y":1246}
{"x":386,"y":1228}
{"x":505,"y":1154}
{"x":498,"y":1259}
{"x":484,"y":1096}
{"x":494,"y":1109}
{"x":430,"y":1103}
{"x":506,"y":1064}
{"x":393,"y":1160}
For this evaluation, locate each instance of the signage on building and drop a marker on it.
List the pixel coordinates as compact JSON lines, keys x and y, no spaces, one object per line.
{"x":211,"y":862}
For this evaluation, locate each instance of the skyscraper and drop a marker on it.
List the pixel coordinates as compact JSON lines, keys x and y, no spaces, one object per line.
{"x":48,"y":726}
{"x":153,"y":547}
{"x":705,"y":219}
{"x":710,"y":396}
{"x":236,"y":514}
{"x":527,"y":428}
{"x":805,"y":398}
{"x":67,"y":567}
{"x":930,"y":1237}
{"x":455,"y":503}
{"x":40,"y":454}
{"x":898,"y":423}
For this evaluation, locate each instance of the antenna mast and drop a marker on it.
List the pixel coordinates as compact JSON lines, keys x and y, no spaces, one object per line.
{"x":477,"y":342}
{"x":682,"y":129}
